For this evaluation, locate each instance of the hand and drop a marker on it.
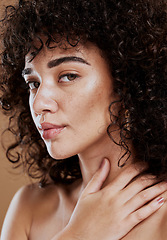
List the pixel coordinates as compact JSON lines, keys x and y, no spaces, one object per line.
{"x":109,"y":213}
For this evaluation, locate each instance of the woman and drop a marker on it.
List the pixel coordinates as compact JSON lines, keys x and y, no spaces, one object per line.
{"x":96,"y":77}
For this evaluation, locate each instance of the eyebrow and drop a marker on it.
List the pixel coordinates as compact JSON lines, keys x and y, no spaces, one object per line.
{"x":26,"y":71}
{"x":57,"y":62}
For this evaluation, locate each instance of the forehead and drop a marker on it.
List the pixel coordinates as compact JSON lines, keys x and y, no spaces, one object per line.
{"x":87,"y":51}
{"x":51,"y":44}
{"x":49,"y":53}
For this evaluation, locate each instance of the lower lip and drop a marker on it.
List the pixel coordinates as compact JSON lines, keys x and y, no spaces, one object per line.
{"x":52,"y":132}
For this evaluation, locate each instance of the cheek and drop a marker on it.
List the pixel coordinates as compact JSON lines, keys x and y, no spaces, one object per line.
{"x":91,"y":105}
{"x":99,"y":97}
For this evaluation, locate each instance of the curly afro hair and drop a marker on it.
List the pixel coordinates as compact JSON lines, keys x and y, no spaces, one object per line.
{"x":132,"y":36}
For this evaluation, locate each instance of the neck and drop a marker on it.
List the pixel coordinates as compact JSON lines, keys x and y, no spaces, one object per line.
{"x":91,"y":159}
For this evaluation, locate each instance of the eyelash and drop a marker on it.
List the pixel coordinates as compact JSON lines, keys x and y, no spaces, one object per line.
{"x":67,"y":75}
{"x":31,"y":84}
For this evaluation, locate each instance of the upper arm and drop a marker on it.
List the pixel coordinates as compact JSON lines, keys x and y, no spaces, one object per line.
{"x":18,"y":218}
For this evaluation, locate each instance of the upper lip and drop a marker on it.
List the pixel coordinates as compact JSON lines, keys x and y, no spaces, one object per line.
{"x":46,"y":126}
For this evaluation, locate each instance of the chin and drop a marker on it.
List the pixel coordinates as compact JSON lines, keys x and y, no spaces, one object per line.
{"x":60,"y":155}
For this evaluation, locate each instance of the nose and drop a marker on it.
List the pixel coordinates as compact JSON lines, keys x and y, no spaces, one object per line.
{"x":44,"y":100}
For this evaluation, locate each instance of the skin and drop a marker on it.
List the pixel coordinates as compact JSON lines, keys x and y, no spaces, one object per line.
{"x":57,"y":99}
{"x":76,"y":95}
{"x":89,"y":95}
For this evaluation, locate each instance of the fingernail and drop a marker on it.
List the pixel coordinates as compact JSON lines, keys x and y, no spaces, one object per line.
{"x":160,"y":200}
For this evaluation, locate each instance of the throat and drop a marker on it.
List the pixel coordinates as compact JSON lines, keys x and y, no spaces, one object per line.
{"x":91,"y":161}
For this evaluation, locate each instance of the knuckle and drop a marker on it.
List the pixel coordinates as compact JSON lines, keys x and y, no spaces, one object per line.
{"x":132,"y":220}
{"x":146,"y":181}
{"x":143,"y":181}
{"x":144,"y":196}
{"x":150,"y":208}
{"x":162,"y":186}
{"x":139,"y":216}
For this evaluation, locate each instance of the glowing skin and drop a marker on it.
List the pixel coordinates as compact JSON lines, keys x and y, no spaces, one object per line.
{"x":70,"y":92}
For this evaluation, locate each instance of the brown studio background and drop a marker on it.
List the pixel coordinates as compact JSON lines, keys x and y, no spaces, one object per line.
{"x":10,"y":180}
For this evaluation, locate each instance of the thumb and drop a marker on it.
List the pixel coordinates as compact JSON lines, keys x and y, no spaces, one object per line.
{"x":98,"y":178}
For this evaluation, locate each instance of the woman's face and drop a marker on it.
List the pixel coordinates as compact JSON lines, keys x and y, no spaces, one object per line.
{"x":70,"y":92}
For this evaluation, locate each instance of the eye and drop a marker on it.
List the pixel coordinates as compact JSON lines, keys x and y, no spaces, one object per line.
{"x":33,"y":85}
{"x":68,"y":77}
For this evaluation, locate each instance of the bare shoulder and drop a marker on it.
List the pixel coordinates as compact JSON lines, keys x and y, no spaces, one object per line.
{"x":163,"y":221}
{"x":24,"y":206}
{"x":158,"y":222}
{"x":154,"y":227}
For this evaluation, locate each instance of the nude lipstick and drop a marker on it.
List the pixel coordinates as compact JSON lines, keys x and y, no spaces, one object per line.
{"x":50,"y":131}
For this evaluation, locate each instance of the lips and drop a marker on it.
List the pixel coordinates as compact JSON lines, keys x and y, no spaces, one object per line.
{"x":50,"y":131}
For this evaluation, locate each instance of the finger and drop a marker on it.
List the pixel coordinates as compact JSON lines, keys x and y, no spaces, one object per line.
{"x":98,"y":179}
{"x":146,"y":211}
{"x":146,"y":196}
{"x":126,"y":176}
{"x":138,"y":185}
